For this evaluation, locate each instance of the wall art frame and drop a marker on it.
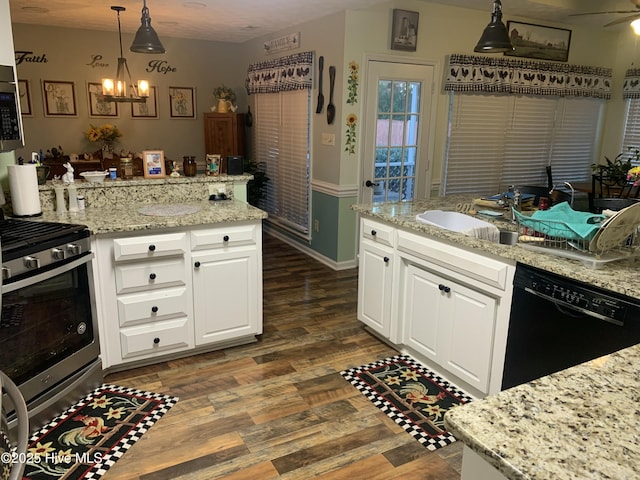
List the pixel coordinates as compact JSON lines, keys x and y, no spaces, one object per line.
{"x":25,"y":98}
{"x":182,"y":101}
{"x":59,"y":98}
{"x":97,"y":106}
{"x":537,"y":41}
{"x":148,"y":109}
{"x":153,"y":164}
{"x":404,"y":30}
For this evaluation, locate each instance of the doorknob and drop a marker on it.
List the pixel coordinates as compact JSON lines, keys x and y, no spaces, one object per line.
{"x":370,"y":184}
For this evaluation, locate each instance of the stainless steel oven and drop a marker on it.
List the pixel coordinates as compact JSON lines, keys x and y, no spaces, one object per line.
{"x":48,"y":333}
{"x":557,"y":323}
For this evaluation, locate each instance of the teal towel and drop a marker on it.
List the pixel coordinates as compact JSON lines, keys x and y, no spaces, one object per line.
{"x":562,"y":221}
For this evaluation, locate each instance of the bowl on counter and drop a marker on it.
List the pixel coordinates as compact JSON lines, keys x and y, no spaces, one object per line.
{"x":94,"y":176}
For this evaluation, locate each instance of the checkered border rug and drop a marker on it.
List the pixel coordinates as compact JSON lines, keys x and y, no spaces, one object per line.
{"x":163,"y":404}
{"x":431,"y":442}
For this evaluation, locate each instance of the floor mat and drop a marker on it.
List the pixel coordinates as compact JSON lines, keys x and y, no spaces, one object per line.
{"x":412,"y":395}
{"x":88,"y":438}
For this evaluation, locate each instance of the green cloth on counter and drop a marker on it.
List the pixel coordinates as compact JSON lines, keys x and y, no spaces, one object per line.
{"x":562,"y":221}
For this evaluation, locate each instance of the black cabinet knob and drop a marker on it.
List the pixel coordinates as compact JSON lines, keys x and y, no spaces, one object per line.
{"x":156,"y":340}
{"x":152,"y":276}
{"x":386,"y":259}
{"x":225,"y":238}
{"x":154,"y":309}
{"x":373,"y":233}
{"x":197,"y":264}
{"x":444,"y":288}
{"x":152,"y":248}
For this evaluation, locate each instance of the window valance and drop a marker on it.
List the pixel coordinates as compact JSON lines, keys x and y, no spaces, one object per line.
{"x":473,"y":73}
{"x":631,"y":86}
{"x":292,"y":72}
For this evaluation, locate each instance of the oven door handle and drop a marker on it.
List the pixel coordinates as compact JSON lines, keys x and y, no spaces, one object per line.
{"x":560,"y":303}
{"x":39,"y":277}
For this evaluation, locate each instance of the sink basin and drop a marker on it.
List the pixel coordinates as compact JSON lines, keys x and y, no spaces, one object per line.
{"x":467,"y":225}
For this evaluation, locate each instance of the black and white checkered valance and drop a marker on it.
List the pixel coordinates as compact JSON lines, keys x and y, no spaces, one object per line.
{"x":631,"y":86}
{"x":473,"y":73}
{"x":293,"y":72}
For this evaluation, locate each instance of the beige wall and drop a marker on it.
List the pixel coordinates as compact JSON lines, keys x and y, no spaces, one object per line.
{"x":198,"y":64}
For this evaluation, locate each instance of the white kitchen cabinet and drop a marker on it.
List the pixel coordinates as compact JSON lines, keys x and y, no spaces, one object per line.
{"x":449,"y":323}
{"x":169,"y":294}
{"x":227,"y":285}
{"x":376,"y":264}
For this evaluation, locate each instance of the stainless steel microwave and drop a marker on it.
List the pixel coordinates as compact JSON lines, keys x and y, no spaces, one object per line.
{"x":10,"y":121}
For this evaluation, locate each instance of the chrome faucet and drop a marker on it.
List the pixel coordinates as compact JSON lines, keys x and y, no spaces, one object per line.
{"x":513,"y":201}
{"x":570,"y":187}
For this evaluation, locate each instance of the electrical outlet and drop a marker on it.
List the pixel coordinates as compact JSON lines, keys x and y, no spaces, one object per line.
{"x":316,"y":225}
{"x":328,"y":139}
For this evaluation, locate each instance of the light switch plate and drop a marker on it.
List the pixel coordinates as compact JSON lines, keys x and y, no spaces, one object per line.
{"x":328,"y":139}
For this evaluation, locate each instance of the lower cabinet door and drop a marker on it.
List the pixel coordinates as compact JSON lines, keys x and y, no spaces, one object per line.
{"x":375,"y":277}
{"x":451,"y":324}
{"x":227,"y":301}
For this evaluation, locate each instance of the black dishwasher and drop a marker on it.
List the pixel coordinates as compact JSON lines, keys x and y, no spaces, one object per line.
{"x":556,"y":323}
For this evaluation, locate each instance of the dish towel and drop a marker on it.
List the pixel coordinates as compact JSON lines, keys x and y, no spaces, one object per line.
{"x":489,"y":232}
{"x":562,"y":221}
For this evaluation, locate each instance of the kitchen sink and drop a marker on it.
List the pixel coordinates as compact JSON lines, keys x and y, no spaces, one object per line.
{"x":467,"y":225}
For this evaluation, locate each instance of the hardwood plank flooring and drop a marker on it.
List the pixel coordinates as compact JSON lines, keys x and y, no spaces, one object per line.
{"x":279,"y":408}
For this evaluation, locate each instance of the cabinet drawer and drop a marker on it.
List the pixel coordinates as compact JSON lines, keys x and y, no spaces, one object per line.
{"x":224,"y":237}
{"x":378,"y":232}
{"x":157,"y":337}
{"x":138,"y":307}
{"x":150,"y":246}
{"x":150,"y":275}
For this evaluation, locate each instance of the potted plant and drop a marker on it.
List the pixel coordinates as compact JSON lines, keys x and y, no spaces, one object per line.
{"x":225,"y":97}
{"x":616,"y":170}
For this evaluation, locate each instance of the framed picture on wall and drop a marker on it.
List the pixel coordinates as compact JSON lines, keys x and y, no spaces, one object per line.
{"x":97,"y":106}
{"x":59,"y":98}
{"x":182,"y":101}
{"x":537,"y":41}
{"x":404,"y":30}
{"x":148,"y":109}
{"x":153,"y":164}
{"x":25,"y":98}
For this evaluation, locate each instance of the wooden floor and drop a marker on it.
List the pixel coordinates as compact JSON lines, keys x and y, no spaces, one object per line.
{"x":279,"y":408}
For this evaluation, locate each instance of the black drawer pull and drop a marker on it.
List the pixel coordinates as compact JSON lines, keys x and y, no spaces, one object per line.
{"x":386,"y":259}
{"x":373,"y":233}
{"x":225,"y":238}
{"x":152,"y":248}
{"x":197,"y":264}
{"x":444,"y":288}
{"x":152,"y":276}
{"x":156,"y":340}
{"x":154,"y":309}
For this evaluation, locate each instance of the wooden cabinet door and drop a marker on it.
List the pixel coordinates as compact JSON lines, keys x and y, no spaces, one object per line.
{"x":224,"y":134}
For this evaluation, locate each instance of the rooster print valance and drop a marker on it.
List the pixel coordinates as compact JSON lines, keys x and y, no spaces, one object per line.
{"x":293,"y":72}
{"x":473,"y":73}
{"x":631,"y":86}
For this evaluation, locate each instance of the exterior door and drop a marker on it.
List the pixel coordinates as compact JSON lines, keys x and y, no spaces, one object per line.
{"x":397,"y":155}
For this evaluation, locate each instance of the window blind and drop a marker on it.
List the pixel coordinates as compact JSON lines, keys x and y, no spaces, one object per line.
{"x":500,"y":140}
{"x":281,"y":137}
{"x":632,"y":127}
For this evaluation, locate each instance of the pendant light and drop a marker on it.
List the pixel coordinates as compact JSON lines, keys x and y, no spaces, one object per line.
{"x":495,"y":38}
{"x":116,"y":90}
{"x":146,"y":40}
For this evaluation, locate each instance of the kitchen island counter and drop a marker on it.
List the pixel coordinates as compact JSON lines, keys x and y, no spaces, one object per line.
{"x":580,"y":423}
{"x":622,"y":276}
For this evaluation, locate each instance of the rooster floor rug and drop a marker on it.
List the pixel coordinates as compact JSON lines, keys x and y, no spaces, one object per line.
{"x":88,"y":438}
{"x":413,"y":396}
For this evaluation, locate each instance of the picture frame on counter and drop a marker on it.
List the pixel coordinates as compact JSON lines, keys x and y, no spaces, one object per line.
{"x":59,"y":98}
{"x":213,"y":164}
{"x":148,"y":109}
{"x":537,"y":41}
{"x":97,"y":106}
{"x":404,"y":30}
{"x":182,"y":101}
{"x":25,"y":98}
{"x":153,"y":164}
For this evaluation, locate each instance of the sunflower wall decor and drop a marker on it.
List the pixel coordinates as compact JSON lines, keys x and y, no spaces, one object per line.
{"x":352,"y":83}
{"x":350,"y":141}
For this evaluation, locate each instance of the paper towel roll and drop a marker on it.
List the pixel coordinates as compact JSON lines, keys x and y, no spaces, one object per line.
{"x":25,"y":196}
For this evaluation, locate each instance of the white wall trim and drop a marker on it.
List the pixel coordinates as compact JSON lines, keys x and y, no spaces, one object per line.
{"x":312,"y":253}
{"x":340,"y":191}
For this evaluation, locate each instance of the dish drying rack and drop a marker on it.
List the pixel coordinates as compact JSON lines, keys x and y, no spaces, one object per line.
{"x":617,"y":238}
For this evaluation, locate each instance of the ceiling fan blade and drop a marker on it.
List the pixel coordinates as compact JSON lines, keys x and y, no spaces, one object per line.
{"x":602,"y":13}
{"x":623,"y":20}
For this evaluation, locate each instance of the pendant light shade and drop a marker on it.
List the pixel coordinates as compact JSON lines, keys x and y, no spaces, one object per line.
{"x":146,"y":40}
{"x":495,"y":38}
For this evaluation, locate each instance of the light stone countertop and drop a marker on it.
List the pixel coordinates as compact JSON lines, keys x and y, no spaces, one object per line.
{"x":126,"y":218}
{"x":621,"y":276}
{"x":580,"y":423}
